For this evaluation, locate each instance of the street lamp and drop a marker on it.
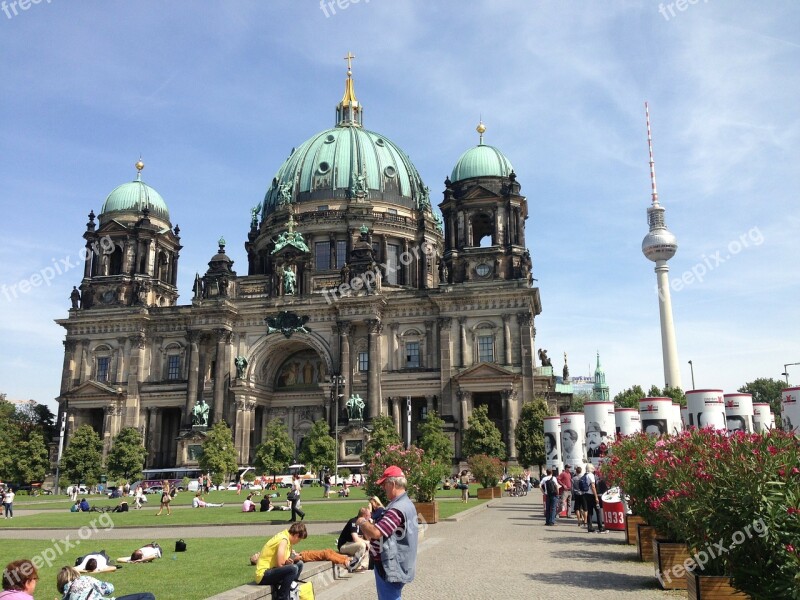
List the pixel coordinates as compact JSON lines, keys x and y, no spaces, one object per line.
{"x":786,"y":370}
{"x":691,"y":366}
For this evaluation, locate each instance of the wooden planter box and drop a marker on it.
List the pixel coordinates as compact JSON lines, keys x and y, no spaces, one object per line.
{"x":708,"y":587}
{"x":669,"y":560}
{"x":489,"y":493}
{"x":429,"y":511}
{"x":631,"y":533}
{"x":645,"y":534}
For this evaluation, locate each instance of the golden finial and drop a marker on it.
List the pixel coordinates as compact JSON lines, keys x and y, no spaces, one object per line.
{"x":349,"y":59}
{"x":139,"y":166}
{"x":480,"y":129}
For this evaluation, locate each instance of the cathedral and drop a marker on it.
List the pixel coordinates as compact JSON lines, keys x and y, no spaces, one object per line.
{"x":360,"y":299}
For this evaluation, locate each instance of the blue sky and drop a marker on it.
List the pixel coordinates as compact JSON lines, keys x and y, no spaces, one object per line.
{"x":215,"y":95}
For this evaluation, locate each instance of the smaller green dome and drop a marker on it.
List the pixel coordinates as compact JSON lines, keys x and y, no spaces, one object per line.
{"x":134,"y":196}
{"x":481,"y":161}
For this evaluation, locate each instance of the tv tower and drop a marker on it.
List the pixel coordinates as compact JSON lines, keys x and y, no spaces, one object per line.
{"x":659,"y":245}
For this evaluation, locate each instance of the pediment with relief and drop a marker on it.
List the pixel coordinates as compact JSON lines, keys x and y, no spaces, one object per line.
{"x":486,"y":371}
{"x":91,"y":390}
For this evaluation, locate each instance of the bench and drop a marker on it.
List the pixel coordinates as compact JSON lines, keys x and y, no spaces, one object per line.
{"x":321,"y":574}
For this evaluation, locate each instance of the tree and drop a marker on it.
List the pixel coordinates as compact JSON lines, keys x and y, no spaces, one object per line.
{"x":127,"y":455}
{"x":219,"y":453}
{"x":434,"y":441}
{"x":482,"y":436}
{"x":33,"y":459}
{"x":676,"y":394}
{"x":629,"y":398}
{"x":578,"y":400}
{"x":383,"y":435}
{"x":82,"y":461}
{"x":35,"y":417}
{"x":9,"y":439}
{"x":530,"y":433}
{"x":765,"y":390}
{"x":276,"y":452}
{"x":318,"y":448}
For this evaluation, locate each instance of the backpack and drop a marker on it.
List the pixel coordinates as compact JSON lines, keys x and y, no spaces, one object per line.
{"x":551,"y":486}
{"x":583,"y":484}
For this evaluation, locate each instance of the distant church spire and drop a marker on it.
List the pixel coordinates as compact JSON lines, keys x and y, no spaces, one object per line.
{"x":348,"y":111}
{"x":600,"y":389}
{"x":481,"y":129}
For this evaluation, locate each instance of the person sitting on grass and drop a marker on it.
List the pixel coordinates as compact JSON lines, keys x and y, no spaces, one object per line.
{"x":84,"y":505}
{"x":265,"y":503}
{"x":19,"y":580}
{"x":74,"y":586}
{"x":75,"y":507}
{"x":198,"y":502}
{"x":248,"y":505}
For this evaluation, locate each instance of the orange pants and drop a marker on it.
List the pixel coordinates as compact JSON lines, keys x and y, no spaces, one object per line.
{"x":334,"y":557}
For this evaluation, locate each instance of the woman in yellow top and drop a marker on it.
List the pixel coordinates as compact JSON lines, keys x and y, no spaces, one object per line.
{"x":278,"y":564}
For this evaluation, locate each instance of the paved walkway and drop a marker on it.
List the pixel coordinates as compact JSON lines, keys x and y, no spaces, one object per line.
{"x":503,"y":551}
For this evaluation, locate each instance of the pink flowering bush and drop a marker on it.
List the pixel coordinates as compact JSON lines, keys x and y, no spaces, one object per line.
{"x":734,"y":500}
{"x":423,"y":473}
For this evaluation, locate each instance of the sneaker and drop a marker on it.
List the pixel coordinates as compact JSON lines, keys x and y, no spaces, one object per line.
{"x":603,"y":531}
{"x":353,"y":564}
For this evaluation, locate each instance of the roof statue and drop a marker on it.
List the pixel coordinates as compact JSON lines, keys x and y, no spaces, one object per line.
{"x":200,"y":413}
{"x":291,"y":237}
{"x":254,"y":212}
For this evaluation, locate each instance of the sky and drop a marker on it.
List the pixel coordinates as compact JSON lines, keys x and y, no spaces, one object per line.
{"x":214,"y":96}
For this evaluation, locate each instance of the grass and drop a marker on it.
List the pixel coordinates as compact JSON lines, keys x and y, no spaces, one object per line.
{"x":177,"y":576}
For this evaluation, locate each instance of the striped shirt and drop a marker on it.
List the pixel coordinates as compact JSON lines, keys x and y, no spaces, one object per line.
{"x":390,"y":523}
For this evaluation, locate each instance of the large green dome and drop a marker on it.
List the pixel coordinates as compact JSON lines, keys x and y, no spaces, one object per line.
{"x":481,"y":161}
{"x":337,"y":162}
{"x":134,"y":196}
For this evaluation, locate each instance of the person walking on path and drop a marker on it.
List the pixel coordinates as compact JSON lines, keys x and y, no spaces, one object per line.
{"x":394,"y":537}
{"x":592,"y":502}
{"x":549,"y":487}
{"x":294,"y":497}
{"x":326,"y":483}
{"x":278,"y":564}
{"x":8,"y":502}
{"x":577,"y":498}
{"x":463,"y":483}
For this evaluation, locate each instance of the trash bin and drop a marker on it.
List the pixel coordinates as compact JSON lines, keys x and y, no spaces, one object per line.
{"x":613,"y":510}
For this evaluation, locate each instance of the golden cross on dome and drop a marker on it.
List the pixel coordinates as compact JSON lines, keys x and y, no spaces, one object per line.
{"x":349,"y":58}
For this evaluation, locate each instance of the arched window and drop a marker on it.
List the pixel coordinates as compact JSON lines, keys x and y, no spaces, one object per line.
{"x":102,"y":364}
{"x":483,"y":230}
{"x":412,"y":349}
{"x":484,"y":342}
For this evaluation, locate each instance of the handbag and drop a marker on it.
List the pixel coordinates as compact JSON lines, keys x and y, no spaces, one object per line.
{"x":180,"y":546}
{"x":293,"y":495}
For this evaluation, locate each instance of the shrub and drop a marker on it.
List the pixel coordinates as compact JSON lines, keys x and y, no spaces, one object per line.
{"x":486,"y":469}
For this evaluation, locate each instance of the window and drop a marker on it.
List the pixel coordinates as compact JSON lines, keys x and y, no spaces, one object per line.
{"x":391,"y":211}
{"x":485,"y":348}
{"x":363,"y":361}
{"x":392,"y":263}
{"x":341,"y":253}
{"x":322,"y":207}
{"x":483,"y":270}
{"x":412,"y":355}
{"x":103,"y":364}
{"x":174,"y":366}
{"x":322,"y":252}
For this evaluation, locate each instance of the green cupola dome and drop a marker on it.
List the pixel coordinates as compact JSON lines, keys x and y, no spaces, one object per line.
{"x":345,"y":162}
{"x":481,"y":161}
{"x":135,"y":196}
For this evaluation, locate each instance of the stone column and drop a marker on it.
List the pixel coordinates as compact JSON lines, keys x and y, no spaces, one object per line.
{"x":193,"y":377}
{"x":345,"y":329}
{"x":445,"y":366}
{"x":68,"y":366}
{"x":393,"y":346}
{"x":373,"y":375}
{"x":120,"y":375}
{"x":462,"y":328}
{"x":84,"y":368}
{"x":525,"y":320}
{"x":423,"y":285}
{"x":87,"y":264}
{"x":106,"y":436}
{"x":520,"y":226}
{"x":407,"y":270}
{"x":332,"y":250}
{"x":239,"y":429}
{"x":429,"y":403}
{"x":506,"y":339}
{"x":428,"y":345}
{"x":154,"y":438}
{"x":223,"y":339}
{"x":173,"y":277}
{"x":397,"y":417}
{"x":135,"y":376}
{"x":510,"y":421}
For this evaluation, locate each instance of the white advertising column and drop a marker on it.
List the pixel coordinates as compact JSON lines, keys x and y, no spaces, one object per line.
{"x":763,"y":419}
{"x":552,"y":443}
{"x":790,"y":410}
{"x":573,"y":440}
{"x":739,"y":412}
{"x":676,"y":423}
{"x":706,"y":408}
{"x":656,"y":414}
{"x":600,"y":426}
{"x":628,"y":421}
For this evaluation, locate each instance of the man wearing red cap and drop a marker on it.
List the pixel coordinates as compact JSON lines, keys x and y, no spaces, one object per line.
{"x":394,"y":537}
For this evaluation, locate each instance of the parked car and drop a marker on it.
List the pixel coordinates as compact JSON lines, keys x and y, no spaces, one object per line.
{"x":82,"y":490}
{"x":154,"y":489}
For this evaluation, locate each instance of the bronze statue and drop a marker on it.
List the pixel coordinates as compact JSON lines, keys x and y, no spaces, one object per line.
{"x":75,"y":297}
{"x":200,"y":413}
{"x":355,"y":407}
{"x":241,"y":365}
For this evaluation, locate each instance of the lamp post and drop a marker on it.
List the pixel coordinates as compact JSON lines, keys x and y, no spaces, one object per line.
{"x":408,"y":421}
{"x":786,"y":370}
{"x":62,"y":429}
{"x":691,"y":366}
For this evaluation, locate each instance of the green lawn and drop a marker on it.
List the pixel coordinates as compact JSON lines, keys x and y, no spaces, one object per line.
{"x":177,"y":576}
{"x":333,"y":510}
